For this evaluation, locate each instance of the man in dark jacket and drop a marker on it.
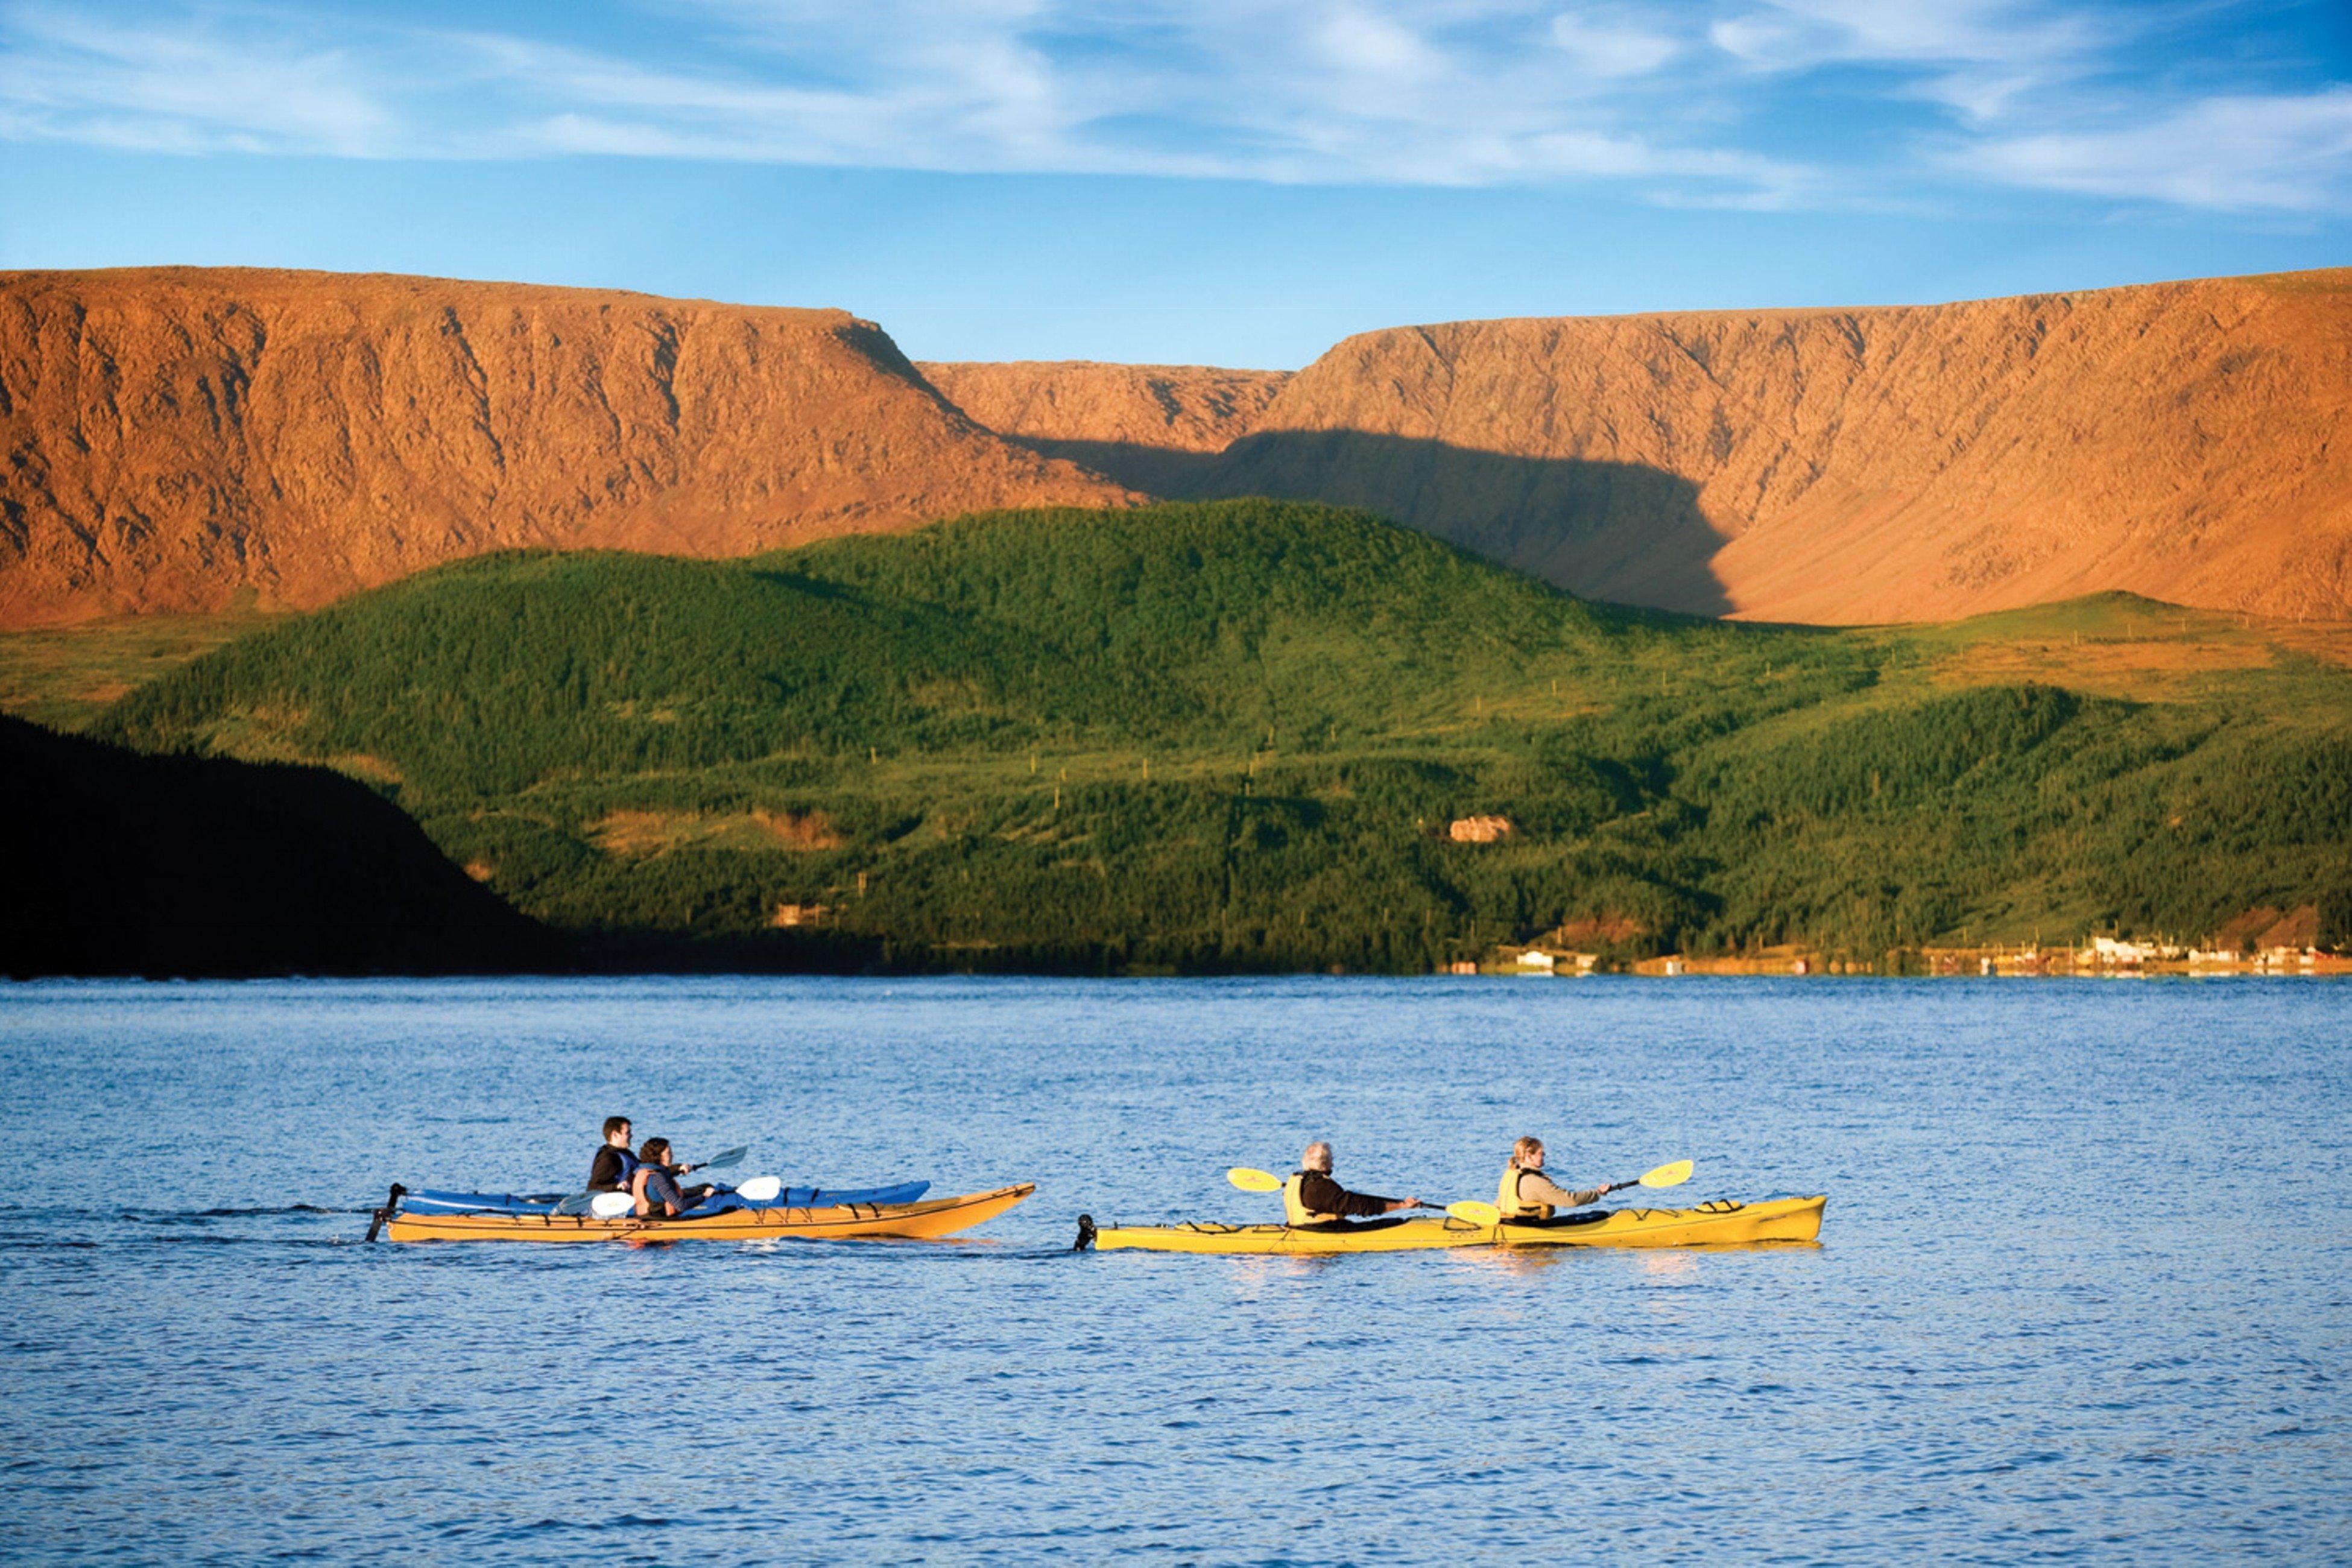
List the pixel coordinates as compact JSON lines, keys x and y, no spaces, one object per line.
{"x":613,"y":1165}
{"x":1311,"y":1197}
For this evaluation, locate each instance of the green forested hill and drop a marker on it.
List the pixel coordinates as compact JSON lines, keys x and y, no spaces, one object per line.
{"x":1234,"y":736}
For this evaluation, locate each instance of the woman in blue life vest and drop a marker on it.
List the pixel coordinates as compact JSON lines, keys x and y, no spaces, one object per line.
{"x":655,"y":1185}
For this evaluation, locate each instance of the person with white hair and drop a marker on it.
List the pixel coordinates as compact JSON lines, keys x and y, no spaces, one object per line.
{"x":1310,"y":1196}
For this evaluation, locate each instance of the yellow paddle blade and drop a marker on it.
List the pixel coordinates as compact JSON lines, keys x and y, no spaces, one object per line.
{"x":1673,"y":1175}
{"x":1251,"y":1181}
{"x":1474,"y":1212}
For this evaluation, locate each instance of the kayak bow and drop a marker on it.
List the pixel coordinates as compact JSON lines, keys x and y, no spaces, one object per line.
{"x":1719,"y":1222}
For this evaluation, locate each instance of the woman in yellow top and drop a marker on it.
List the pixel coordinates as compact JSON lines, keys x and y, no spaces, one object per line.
{"x":1526,"y":1194}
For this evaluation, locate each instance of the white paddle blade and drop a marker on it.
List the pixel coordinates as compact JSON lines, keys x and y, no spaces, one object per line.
{"x":611,"y":1206}
{"x":734,"y":1156}
{"x":1673,"y":1175}
{"x":1251,"y":1181}
{"x":1475,"y":1213}
{"x":760,"y":1189}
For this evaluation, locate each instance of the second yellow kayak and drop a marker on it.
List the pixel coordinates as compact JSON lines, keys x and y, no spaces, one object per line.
{"x":1719,"y":1222}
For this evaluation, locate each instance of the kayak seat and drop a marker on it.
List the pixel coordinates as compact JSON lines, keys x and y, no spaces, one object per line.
{"x":1561,"y":1221}
{"x":1348,"y":1227}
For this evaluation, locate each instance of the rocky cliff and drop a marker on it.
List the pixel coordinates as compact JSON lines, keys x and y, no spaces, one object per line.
{"x":1153,"y":427}
{"x":177,"y":436}
{"x":2188,"y":441}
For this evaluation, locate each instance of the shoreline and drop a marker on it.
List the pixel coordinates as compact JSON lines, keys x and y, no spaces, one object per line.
{"x":1920,"y":963}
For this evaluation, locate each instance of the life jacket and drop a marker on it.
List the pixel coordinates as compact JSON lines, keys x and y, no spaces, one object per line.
{"x":621,"y":1180}
{"x":660,"y":1188}
{"x":1507,"y":1198}
{"x":1294,"y":1207}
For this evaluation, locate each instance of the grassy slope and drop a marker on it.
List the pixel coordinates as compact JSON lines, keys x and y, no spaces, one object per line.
{"x":1232,"y":735}
{"x":66,"y":678}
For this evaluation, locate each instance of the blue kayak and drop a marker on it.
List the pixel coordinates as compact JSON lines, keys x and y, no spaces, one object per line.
{"x":426,"y":1200}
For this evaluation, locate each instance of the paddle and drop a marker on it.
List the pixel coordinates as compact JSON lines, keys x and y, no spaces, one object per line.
{"x":719,"y":1162}
{"x":1672,"y":1175}
{"x":760,"y":1189}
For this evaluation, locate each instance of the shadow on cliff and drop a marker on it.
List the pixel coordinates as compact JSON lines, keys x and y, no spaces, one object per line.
{"x":1625,"y":532}
{"x":117,"y":862}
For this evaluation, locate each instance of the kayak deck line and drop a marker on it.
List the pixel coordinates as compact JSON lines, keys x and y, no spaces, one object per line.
{"x":434,"y":1200}
{"x":1719,"y":1222}
{"x":927,"y":1220}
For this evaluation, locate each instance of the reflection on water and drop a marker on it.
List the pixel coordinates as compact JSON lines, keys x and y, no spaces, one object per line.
{"x":1680,"y":1268}
{"x":2033,"y":1327}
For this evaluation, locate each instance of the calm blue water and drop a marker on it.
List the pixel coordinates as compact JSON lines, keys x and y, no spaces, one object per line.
{"x":2085,"y":1292}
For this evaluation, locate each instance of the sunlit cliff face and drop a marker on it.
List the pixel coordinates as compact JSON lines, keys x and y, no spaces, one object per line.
{"x":2177,"y":440}
{"x":183,"y":434}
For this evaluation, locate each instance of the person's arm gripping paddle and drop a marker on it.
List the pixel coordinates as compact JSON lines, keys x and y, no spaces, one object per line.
{"x":1534,"y":1187}
{"x":1323,"y":1194}
{"x":1472,"y":1211}
{"x":1250,"y":1180}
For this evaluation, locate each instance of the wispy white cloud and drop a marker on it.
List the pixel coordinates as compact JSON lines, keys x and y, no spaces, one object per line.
{"x":185,"y":87}
{"x":1679,"y":105}
{"x":1613,"y":46}
{"x":2075,"y":98}
{"x":1976,"y":57}
{"x":1416,"y":91}
{"x":2290,"y":154}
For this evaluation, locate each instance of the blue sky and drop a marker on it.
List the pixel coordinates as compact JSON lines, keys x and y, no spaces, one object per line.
{"x":1204,"y":181}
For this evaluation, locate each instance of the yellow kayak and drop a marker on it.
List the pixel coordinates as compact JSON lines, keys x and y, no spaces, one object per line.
{"x":1361,"y":1235}
{"x":925,"y":1221}
{"x":1716,"y":1223}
